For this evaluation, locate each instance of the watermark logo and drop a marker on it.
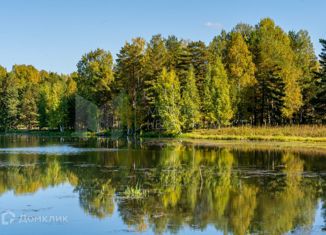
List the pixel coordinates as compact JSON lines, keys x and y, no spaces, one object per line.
{"x":9,"y":217}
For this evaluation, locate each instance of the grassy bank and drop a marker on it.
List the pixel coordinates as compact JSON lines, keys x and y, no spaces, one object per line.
{"x":284,"y":133}
{"x":245,"y":145}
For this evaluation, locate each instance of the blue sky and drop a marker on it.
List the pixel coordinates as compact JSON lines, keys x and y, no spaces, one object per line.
{"x":54,"y":34}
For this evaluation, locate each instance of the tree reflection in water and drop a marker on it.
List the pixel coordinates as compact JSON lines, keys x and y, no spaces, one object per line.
{"x":236,"y":191}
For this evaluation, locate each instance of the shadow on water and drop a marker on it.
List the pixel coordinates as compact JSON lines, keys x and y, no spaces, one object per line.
{"x":162,"y":187}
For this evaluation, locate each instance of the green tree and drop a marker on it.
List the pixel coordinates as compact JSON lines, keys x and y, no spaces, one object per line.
{"x":8,"y":101}
{"x":271,"y":92}
{"x":157,"y":54}
{"x":28,"y":112}
{"x":258,"y":75}
{"x":319,"y":100}
{"x":55,"y":95}
{"x":207,"y":107}
{"x":184,"y":62}
{"x":69,"y":100}
{"x":174,"y":47}
{"x":190,"y":101}
{"x":221,"y":94}
{"x":199,"y":61}
{"x":130,"y":72}
{"x":217,"y":47}
{"x":168,"y":100}
{"x":27,"y":79}
{"x":95,"y":76}
{"x":123,"y":110}
{"x":94,"y":83}
{"x":306,"y":61}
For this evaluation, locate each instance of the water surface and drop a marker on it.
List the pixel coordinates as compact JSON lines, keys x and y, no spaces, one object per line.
{"x":100,"y":186}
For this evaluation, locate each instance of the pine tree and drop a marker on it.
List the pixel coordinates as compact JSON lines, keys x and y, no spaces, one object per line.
{"x":273,"y":54}
{"x":184,"y":62}
{"x":27,"y":79}
{"x":271,"y":101}
{"x":8,"y":101}
{"x":320,"y":100}
{"x":28,"y":111}
{"x":199,"y":61}
{"x":174,"y":47}
{"x":221,"y":94}
{"x":156,"y":53}
{"x":190,"y":101}
{"x":167,"y":102}
{"x":131,"y":74}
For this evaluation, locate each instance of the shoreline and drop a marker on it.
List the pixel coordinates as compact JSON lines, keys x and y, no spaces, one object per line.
{"x":254,"y":138}
{"x":304,"y":133}
{"x":289,"y":143}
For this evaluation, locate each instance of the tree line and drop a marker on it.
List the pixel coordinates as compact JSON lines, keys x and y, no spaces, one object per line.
{"x":252,"y":75}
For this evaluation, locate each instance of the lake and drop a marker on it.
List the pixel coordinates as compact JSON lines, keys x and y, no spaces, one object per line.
{"x":101,"y":186}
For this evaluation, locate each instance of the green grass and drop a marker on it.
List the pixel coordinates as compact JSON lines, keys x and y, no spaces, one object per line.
{"x":283,"y":133}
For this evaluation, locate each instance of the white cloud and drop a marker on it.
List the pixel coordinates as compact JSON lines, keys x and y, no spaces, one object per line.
{"x":214,"y":25}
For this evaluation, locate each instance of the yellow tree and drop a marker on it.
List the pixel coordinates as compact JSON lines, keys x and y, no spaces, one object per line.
{"x":276,"y":73}
{"x":241,"y":71}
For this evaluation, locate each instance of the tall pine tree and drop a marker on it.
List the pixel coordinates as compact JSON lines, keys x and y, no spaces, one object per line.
{"x":199,"y":61}
{"x":27,"y":79}
{"x":274,"y":55}
{"x":8,"y":101}
{"x":320,"y":98}
{"x":157,"y":54}
{"x":130,"y":71}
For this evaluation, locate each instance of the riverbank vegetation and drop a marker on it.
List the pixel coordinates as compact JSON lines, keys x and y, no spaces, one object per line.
{"x":252,"y":76}
{"x":277,"y":133}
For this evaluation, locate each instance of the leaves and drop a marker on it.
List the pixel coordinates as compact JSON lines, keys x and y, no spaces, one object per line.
{"x":167,"y":102}
{"x":253,"y":74}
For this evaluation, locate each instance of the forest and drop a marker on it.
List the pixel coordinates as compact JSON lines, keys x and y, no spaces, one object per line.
{"x":253,"y":75}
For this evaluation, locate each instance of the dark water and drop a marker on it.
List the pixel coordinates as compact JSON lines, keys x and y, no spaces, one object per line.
{"x":97,"y":186}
